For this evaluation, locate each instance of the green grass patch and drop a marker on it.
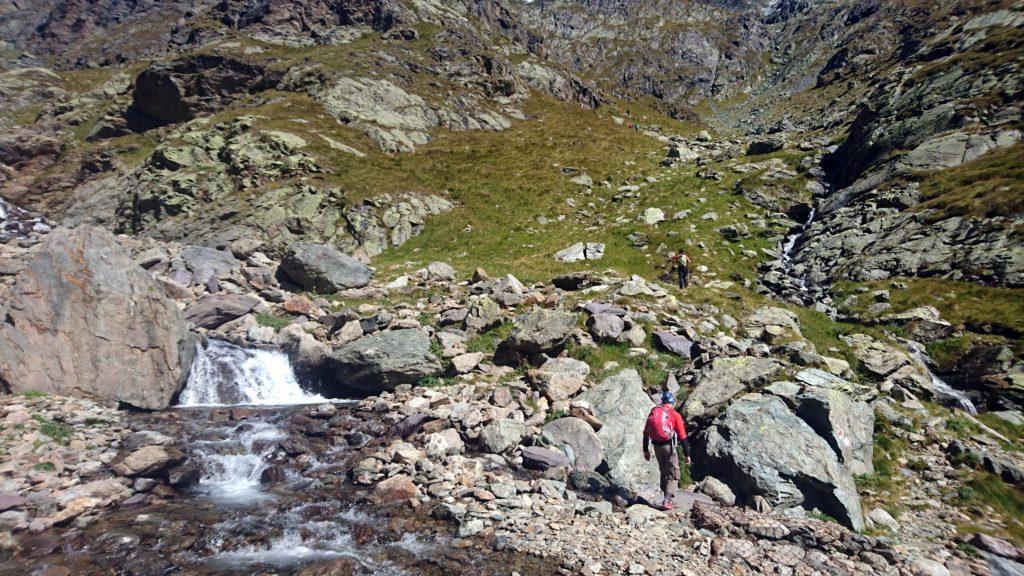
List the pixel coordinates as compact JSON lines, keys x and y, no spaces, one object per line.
{"x":1013,"y":432}
{"x":275,"y":322}
{"x":60,"y":433}
{"x":653,"y":368}
{"x":431,"y":382}
{"x":966,"y":305}
{"x":989,"y":186}
{"x":988,"y":490}
{"x":33,"y":394}
{"x":44,"y":467}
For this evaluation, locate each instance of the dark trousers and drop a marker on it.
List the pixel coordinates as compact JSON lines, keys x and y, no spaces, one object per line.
{"x":668,"y":465}
{"x":684,"y":276}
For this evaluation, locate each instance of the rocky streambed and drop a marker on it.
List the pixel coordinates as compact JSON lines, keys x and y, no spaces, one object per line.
{"x":262,"y":490}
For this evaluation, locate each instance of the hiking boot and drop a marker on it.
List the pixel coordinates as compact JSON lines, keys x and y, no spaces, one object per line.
{"x":667,"y":506}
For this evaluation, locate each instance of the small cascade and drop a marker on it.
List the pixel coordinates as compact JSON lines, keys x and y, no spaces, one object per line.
{"x":943,"y":390}
{"x":227,"y":375}
{"x":233,"y":464}
{"x":788,"y":247}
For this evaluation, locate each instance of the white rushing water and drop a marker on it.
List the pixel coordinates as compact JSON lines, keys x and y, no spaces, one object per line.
{"x":942,"y":389}
{"x":789,"y":244}
{"x":232,"y":466}
{"x":227,"y":375}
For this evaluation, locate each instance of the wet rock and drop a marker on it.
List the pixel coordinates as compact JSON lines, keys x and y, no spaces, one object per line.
{"x":394,"y":490}
{"x":275,"y":474}
{"x":150,"y":461}
{"x":109,"y":330}
{"x":323,"y":269}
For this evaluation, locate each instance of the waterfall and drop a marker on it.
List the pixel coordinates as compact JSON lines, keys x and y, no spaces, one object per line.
{"x":942,"y":389}
{"x":227,"y":375}
{"x":788,"y":246}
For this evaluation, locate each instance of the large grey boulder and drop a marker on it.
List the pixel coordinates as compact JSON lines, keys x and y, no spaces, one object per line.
{"x":759,"y":448}
{"x":605,"y":327}
{"x":846,"y":424}
{"x":502,"y":435}
{"x":207,"y":263}
{"x":577,"y":440}
{"x":381,"y":362}
{"x":216,"y":309}
{"x":323,"y":269}
{"x":84,"y":319}
{"x":725,"y":379}
{"x":541,"y":330}
{"x":621,"y":403}
{"x":673,"y":343}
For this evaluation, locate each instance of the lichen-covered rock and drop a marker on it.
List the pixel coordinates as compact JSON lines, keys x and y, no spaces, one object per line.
{"x":577,"y":440}
{"x":724,"y":380}
{"x":622,"y":405}
{"x":541,"y":330}
{"x":377,"y":363}
{"x":761,"y":448}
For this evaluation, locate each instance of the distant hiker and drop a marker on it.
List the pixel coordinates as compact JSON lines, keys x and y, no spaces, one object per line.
{"x":682,"y":264}
{"x":665,"y":430}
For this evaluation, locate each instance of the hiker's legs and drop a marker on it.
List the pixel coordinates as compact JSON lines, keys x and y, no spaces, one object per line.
{"x":668,"y":465}
{"x":682,"y":277}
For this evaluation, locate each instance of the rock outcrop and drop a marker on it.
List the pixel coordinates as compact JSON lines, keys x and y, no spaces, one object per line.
{"x":760,"y":448}
{"x":105,"y":326}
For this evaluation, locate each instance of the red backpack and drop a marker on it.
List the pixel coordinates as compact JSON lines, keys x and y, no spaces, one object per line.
{"x":659,"y":424}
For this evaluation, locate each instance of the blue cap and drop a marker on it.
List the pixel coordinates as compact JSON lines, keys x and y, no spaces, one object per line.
{"x":667,"y":397}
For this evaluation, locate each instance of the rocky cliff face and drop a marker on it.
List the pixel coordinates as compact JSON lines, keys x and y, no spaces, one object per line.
{"x":677,"y":52}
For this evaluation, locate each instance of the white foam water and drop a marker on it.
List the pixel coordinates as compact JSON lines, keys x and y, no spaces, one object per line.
{"x":942,"y":389}
{"x":232,"y":466}
{"x":227,"y":375}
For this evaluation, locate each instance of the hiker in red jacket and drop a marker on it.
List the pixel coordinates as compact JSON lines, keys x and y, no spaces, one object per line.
{"x":665,"y":430}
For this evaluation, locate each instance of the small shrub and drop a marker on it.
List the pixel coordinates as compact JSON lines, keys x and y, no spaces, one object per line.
{"x":431,"y":382}
{"x":819,"y":515}
{"x":58,"y":432}
{"x":44,"y":467}
{"x":34,"y":394}
{"x":555,"y":415}
{"x":965,"y":493}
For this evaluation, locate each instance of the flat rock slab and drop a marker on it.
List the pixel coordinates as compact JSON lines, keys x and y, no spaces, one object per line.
{"x":216,"y":309}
